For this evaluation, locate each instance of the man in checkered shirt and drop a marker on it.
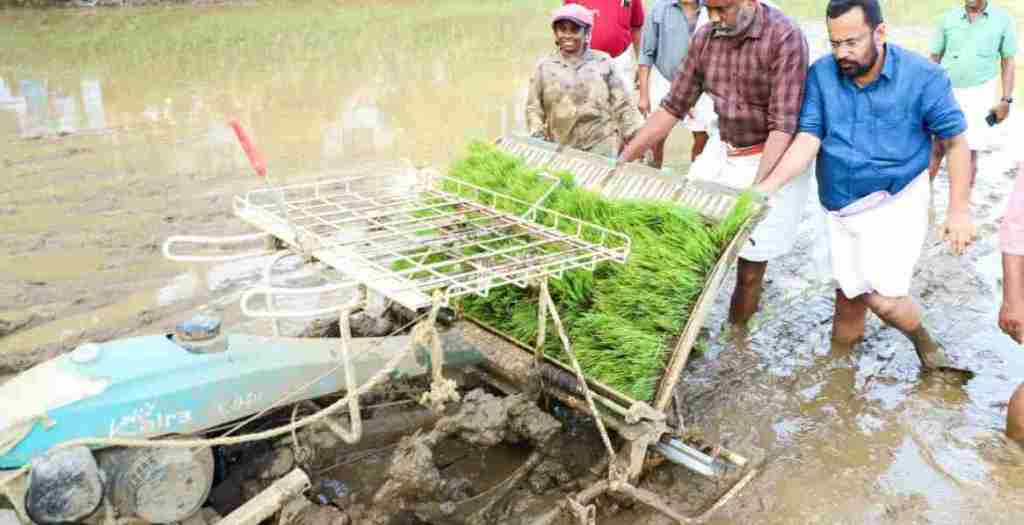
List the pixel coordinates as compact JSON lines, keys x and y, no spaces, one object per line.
{"x":752,"y":61}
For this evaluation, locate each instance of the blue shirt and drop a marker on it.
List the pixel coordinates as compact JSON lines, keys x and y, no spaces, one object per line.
{"x":876,"y":138}
{"x":666,"y":37}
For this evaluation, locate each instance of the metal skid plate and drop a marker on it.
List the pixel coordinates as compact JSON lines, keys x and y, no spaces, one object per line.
{"x":432,"y":232}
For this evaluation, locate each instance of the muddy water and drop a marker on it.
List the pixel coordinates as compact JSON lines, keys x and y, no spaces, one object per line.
{"x":110,"y":144}
{"x":114,"y":139}
{"x":861,"y":435}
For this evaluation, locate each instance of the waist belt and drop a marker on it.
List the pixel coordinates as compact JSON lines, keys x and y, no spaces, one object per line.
{"x":756,"y":149}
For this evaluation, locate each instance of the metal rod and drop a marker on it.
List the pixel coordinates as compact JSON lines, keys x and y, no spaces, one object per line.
{"x":266,"y":503}
{"x":691,"y":459}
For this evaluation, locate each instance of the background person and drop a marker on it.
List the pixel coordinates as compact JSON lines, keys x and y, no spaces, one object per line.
{"x":576,"y":98}
{"x":616,"y":31}
{"x":968,"y":43}
{"x":669,"y":27}
{"x":1011,"y":313}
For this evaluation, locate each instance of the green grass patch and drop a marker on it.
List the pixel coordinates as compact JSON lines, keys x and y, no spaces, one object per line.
{"x":621,"y":319}
{"x":271,"y":29}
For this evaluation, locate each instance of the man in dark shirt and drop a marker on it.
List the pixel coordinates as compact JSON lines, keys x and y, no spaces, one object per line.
{"x":868,"y":116}
{"x":752,"y":61}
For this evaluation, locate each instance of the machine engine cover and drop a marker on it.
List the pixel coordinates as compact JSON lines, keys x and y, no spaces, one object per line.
{"x":64,"y":487}
{"x":159,"y":485}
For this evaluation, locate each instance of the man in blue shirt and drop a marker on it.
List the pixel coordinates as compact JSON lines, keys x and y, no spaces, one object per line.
{"x":868,"y":115}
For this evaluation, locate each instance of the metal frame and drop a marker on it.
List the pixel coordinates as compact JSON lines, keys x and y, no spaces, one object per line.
{"x":435,"y":238}
{"x":644,"y":427}
{"x":440,"y":233}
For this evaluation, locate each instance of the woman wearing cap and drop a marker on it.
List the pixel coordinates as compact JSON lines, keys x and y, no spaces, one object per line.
{"x":576,"y":98}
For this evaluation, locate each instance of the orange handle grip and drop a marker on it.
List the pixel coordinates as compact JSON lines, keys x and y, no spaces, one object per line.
{"x":255,"y":158}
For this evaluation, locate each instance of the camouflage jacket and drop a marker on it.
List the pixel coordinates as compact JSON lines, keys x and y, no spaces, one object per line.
{"x":581,"y":102}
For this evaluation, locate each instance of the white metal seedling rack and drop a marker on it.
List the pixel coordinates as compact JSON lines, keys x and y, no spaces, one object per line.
{"x":438,"y":233}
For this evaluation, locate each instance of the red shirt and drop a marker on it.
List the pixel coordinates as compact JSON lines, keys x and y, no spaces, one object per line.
{"x":614,"y":22}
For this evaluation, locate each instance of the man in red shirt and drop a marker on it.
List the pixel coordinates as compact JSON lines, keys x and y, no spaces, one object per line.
{"x":617,"y":25}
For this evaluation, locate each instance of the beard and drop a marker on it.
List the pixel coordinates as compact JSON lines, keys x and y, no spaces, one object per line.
{"x":744,"y":18}
{"x":855,"y":69}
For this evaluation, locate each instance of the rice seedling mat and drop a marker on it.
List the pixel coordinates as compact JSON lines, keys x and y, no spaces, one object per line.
{"x":434,"y":233}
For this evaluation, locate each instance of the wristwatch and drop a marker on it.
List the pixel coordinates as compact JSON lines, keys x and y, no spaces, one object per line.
{"x":1008,"y":100}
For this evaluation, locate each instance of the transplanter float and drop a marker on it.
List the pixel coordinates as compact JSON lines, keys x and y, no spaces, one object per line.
{"x":128,"y":425}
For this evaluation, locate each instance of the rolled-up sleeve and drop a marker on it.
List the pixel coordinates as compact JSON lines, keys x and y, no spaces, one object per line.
{"x":688,"y":83}
{"x":789,"y":76}
{"x":812,"y":113}
{"x":942,"y":115}
{"x":649,"y":42}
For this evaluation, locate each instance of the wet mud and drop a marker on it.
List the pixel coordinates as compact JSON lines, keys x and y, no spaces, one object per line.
{"x":102,"y":161}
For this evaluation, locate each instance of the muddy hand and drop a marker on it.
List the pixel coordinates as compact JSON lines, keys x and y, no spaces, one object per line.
{"x":958,"y":231}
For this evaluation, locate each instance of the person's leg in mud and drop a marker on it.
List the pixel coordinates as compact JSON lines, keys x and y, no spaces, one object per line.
{"x":849,"y":319}
{"x":700,"y":139}
{"x":905,"y":315}
{"x":747,"y":295}
{"x":1015,"y":416}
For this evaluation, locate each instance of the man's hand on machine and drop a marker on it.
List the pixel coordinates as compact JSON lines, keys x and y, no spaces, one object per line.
{"x":765,"y":189}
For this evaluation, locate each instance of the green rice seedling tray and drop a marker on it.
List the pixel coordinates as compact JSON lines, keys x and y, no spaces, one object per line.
{"x":713,"y":202}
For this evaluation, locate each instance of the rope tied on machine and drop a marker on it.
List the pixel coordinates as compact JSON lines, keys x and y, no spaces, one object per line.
{"x":546,"y":303}
{"x":442,"y":390}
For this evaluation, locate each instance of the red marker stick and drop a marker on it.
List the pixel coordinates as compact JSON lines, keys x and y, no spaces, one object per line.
{"x":255,"y":159}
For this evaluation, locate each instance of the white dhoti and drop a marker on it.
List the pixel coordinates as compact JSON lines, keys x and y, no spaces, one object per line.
{"x":704,"y":117}
{"x":875,"y":242}
{"x":625,"y":64}
{"x":776,"y":233}
{"x":976,"y":102}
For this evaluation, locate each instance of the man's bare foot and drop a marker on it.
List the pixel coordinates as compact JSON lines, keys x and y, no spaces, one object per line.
{"x":843,"y":345}
{"x":736,"y":334}
{"x":933,"y":357}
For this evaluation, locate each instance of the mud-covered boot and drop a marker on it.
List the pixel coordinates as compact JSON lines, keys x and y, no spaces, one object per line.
{"x":933,"y":357}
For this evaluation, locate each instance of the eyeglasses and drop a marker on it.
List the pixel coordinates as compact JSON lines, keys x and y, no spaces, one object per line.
{"x":849,"y":42}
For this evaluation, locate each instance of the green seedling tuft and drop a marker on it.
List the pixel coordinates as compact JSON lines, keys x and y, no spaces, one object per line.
{"x":620,"y":318}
